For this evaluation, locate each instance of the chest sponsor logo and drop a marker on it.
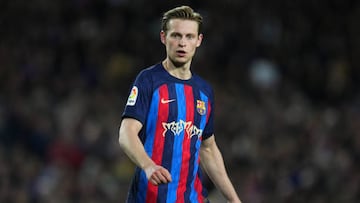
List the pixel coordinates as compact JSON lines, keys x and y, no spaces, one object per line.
{"x":178,"y":127}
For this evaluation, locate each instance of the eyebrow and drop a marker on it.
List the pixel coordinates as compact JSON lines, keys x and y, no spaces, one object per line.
{"x":179,"y":33}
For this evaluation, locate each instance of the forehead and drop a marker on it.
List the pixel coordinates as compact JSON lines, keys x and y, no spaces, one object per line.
{"x":183,"y":26}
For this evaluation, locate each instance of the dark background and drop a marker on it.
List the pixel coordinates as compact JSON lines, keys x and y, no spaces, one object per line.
{"x":285,"y":73}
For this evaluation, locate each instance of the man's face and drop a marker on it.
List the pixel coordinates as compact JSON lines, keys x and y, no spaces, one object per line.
{"x":181,"y":40}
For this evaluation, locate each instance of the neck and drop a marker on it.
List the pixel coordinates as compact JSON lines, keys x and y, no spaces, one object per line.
{"x":181,"y":72}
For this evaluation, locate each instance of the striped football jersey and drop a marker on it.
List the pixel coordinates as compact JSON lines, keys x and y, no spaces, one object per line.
{"x":176,"y":116}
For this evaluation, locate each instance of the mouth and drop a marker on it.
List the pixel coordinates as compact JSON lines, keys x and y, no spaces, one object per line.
{"x":181,"y":53}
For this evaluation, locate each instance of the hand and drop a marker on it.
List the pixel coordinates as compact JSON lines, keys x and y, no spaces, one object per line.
{"x":157,"y":175}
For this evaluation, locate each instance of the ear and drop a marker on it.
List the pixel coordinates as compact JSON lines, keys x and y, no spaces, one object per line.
{"x":200,"y":38}
{"x":163,"y":37}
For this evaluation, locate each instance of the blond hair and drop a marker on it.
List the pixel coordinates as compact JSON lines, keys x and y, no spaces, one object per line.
{"x":181,"y":12}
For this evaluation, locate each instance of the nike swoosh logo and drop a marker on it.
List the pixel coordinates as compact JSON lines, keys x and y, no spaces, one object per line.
{"x":165,"y":101}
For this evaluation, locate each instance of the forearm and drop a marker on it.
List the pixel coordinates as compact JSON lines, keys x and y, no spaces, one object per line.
{"x":132,"y":146}
{"x":213,"y":164}
{"x":134,"y":149}
{"x":216,"y":172}
{"x":135,"y":152}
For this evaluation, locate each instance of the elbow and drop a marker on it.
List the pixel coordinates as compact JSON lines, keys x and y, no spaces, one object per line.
{"x":121,"y":139}
{"x":121,"y":142}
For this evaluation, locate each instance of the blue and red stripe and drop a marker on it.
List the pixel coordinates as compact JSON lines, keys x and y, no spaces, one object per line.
{"x":177,"y":147}
{"x":156,"y":138}
{"x":149,"y":144}
{"x":189,"y":100}
{"x":196,"y":191}
{"x":175,"y":152}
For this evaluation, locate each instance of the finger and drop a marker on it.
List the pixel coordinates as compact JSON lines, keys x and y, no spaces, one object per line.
{"x":167,"y":175}
{"x":155,"y":178}
{"x":162,"y":177}
{"x":153,"y":181}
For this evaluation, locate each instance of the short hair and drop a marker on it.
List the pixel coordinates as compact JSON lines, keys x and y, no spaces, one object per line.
{"x":181,"y":12}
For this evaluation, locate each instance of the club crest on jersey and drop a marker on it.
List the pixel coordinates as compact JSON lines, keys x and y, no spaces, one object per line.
{"x":133,"y":96}
{"x":200,"y":107}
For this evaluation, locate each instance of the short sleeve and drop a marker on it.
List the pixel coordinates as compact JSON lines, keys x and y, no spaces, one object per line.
{"x":138,"y":102}
{"x":209,"y":127}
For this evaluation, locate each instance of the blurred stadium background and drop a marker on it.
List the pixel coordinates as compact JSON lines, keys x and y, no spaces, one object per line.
{"x":286,"y":76}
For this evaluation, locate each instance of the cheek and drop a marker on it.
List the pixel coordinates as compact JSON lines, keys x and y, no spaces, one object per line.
{"x":195,"y":45}
{"x":198,"y":43}
{"x":174,"y":46}
{"x":170,"y":46}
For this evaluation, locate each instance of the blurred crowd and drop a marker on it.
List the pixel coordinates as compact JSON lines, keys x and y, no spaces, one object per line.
{"x":285,"y":75}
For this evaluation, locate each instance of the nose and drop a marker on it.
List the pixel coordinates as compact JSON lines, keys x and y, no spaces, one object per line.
{"x":182,"y":42}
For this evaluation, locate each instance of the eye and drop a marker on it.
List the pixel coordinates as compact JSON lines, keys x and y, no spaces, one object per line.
{"x":176,"y":35}
{"x":190,"y":37}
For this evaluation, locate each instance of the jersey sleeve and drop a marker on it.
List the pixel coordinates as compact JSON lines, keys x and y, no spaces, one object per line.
{"x":209,"y":127}
{"x":138,"y":102}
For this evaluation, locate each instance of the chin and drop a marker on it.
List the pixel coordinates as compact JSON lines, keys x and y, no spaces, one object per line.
{"x":179,"y":62}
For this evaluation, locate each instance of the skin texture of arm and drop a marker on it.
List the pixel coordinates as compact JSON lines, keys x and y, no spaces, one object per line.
{"x":130,"y":143}
{"x":213,"y":164}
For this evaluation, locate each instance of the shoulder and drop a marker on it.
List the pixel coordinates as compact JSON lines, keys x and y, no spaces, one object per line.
{"x":203,"y":84}
{"x":148,"y":75}
{"x":149,"y":71}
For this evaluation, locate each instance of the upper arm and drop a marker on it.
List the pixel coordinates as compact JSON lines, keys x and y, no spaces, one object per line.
{"x":129,"y":127}
{"x":210,"y":156}
{"x":208,"y":144}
